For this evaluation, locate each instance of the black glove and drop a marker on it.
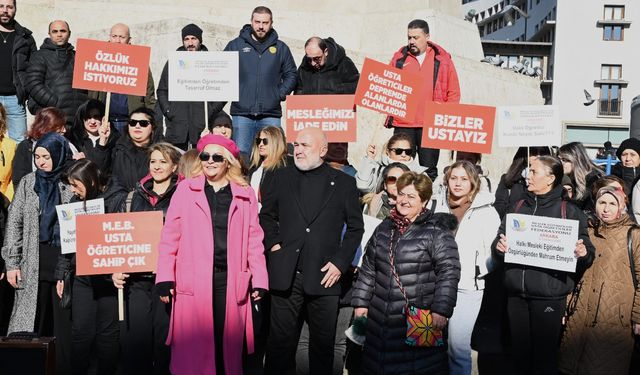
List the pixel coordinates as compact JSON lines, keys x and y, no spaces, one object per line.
{"x":261,"y":292}
{"x":164,"y":288}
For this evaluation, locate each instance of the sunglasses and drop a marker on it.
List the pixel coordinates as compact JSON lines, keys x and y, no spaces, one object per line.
{"x":94,"y":117}
{"x":399,"y":151}
{"x":216,"y":158}
{"x":264,"y":141}
{"x":142,"y":123}
{"x":391,"y":179}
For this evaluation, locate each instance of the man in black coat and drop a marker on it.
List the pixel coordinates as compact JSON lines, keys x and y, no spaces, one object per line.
{"x":184,"y":121}
{"x":326,"y":70}
{"x":15,"y":50}
{"x":50,"y":74}
{"x":303,"y":216}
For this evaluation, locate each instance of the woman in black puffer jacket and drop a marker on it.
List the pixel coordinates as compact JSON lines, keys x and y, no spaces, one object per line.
{"x":537,"y":296}
{"x":426,"y":260}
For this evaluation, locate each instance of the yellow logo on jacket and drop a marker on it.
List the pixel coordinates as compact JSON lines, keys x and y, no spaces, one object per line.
{"x":273,"y":49}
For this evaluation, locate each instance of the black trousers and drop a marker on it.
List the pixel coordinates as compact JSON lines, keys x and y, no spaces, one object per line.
{"x":535,"y":333}
{"x":286,"y":322}
{"x":185,"y":146}
{"x":428,"y":157}
{"x":51,"y":320}
{"x":95,"y":325}
{"x":219,"y":304}
{"x":7,"y":295}
{"x":144,"y":331}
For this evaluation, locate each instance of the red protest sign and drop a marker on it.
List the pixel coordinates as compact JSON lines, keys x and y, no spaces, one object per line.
{"x":110,"y":243}
{"x":460,"y":127}
{"x":389,"y":90}
{"x":332,"y":113}
{"x":111,"y":67}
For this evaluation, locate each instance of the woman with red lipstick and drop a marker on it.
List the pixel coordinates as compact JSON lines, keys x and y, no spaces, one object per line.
{"x":599,"y":334}
{"x":478,"y":225}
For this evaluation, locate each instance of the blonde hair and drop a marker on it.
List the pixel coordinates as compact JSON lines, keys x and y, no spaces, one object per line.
{"x":276,"y":149}
{"x":189,"y":164}
{"x":472,"y":173}
{"x":3,"y":121}
{"x":234,"y":172}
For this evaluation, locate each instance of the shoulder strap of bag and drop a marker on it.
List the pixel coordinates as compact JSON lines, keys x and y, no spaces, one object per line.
{"x":392,"y":259}
{"x":518,"y":206}
{"x":127,"y":203}
{"x":631,"y":260}
{"x":563,"y":209}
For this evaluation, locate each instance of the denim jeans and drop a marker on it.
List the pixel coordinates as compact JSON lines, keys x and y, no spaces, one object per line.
{"x":460,"y":328}
{"x":16,"y":117}
{"x":246,"y":128}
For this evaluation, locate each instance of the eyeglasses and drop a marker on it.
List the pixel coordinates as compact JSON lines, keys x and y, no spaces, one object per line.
{"x":216,"y":158}
{"x":399,"y":151}
{"x":143,"y":123}
{"x":264,"y":141}
{"x":391,"y":179}
{"x":315,"y":59}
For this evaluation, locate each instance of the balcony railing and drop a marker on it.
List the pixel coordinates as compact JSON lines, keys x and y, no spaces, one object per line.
{"x":610,"y":107}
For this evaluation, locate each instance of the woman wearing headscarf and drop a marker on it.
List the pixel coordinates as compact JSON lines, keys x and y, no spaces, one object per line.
{"x":32,"y":246}
{"x":599,"y":333}
{"x":211,"y":264}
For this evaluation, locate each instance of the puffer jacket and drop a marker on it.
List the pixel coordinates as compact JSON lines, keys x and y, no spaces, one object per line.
{"x":598,"y":336}
{"x":49,"y":77}
{"x":145,"y":199}
{"x":446,"y":87}
{"x":23,"y":46}
{"x":267,"y":74}
{"x":544,"y":283}
{"x":474,"y":237}
{"x":184,"y":120}
{"x":129,"y":162}
{"x":426,"y":260}
{"x":339,"y":74}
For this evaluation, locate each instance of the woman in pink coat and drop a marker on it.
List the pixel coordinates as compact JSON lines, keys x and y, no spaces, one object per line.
{"x":212,"y":264}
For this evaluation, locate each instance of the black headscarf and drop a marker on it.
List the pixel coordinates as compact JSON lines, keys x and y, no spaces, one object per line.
{"x":46,"y":186}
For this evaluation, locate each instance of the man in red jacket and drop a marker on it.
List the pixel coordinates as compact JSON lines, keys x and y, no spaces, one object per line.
{"x":433,"y":63}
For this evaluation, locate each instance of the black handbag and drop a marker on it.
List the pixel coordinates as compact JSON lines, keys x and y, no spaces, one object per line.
{"x":65,"y":301}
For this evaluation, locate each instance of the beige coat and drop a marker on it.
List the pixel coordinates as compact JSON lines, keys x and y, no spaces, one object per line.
{"x":599,"y":335}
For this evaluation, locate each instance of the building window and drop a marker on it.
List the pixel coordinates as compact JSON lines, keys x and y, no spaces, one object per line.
{"x":610,"y":102}
{"x":611,"y":72}
{"x":613,"y":33}
{"x":614,"y":12}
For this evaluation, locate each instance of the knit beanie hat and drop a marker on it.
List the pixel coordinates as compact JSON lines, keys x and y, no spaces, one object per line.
{"x":192,"y":29}
{"x":628,"y":144}
{"x":338,"y":153}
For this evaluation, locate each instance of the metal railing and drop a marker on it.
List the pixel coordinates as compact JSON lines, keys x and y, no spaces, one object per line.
{"x":609,"y":107}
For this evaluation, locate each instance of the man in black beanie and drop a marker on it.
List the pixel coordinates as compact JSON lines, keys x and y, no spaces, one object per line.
{"x":184,"y":121}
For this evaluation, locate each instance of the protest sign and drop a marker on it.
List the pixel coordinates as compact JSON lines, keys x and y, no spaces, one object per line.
{"x":111,"y":67}
{"x":535,"y":125}
{"x":460,"y":127}
{"x":204,"y":76}
{"x":542,"y":241}
{"x":125,"y":242}
{"x":332,"y":113}
{"x":389,"y":90}
{"x":67,"y":214}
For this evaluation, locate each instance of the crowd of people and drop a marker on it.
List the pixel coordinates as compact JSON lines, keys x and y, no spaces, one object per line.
{"x":261,"y":267}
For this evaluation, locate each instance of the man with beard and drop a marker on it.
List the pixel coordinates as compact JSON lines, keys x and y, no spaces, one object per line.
{"x":122,"y":105}
{"x":184,"y":121}
{"x":327,"y":70}
{"x":50,"y":74}
{"x":433,"y":63}
{"x":16,"y":47}
{"x":312,"y":226}
{"x":267,"y":76}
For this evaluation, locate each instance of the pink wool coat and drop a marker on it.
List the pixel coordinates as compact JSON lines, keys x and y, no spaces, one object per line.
{"x":186,"y":257}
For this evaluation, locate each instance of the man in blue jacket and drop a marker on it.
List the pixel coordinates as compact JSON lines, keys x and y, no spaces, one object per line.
{"x":267,"y":75}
